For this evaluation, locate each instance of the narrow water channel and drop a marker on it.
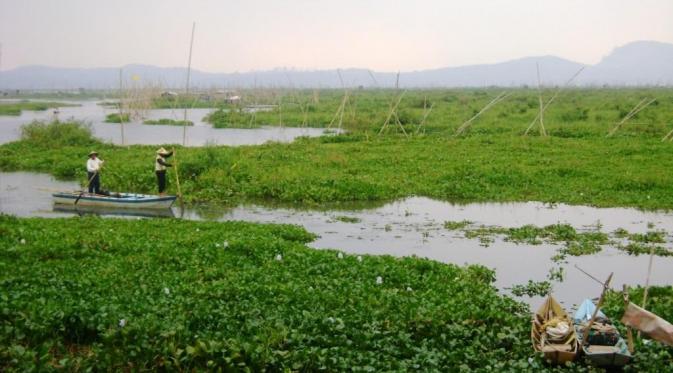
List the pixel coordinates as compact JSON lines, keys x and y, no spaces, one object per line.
{"x":415,"y":226}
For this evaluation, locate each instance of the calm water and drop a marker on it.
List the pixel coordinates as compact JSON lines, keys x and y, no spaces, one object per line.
{"x":414,"y":226}
{"x":136,"y":133}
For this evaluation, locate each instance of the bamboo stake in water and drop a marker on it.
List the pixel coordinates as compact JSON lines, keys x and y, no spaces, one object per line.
{"x":647,"y":280}
{"x":121,"y":116}
{"x":189,"y":70}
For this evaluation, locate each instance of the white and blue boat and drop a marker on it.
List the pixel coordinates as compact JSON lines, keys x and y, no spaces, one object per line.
{"x":115,"y":200}
{"x":605,"y":347}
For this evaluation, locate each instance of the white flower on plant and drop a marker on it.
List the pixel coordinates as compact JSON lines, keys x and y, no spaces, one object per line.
{"x":340,"y":255}
{"x":359,"y":258}
{"x":379,"y":280}
{"x":409,"y":288}
{"x":167,"y":291}
{"x":122,"y":323}
{"x":23,"y":241}
{"x":225,"y":244}
{"x":279,"y":257}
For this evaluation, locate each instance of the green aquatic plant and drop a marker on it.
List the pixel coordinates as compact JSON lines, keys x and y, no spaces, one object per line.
{"x":637,"y":248}
{"x":56,"y":133}
{"x":347,"y":219}
{"x":532,"y":289}
{"x":117,"y":118}
{"x":456,"y":225}
{"x":15,"y":108}
{"x":185,"y":295}
{"x":169,"y":122}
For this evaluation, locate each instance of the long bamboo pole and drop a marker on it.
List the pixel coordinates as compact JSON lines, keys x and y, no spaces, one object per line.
{"x":177,"y":179}
{"x":121,"y":116}
{"x":543,"y":132}
{"x":585,"y":333}
{"x":638,"y":108}
{"x":467,"y":123}
{"x":189,"y":71}
{"x":549,"y":102}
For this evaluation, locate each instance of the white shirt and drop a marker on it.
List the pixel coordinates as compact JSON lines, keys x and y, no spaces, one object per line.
{"x":94,"y":165}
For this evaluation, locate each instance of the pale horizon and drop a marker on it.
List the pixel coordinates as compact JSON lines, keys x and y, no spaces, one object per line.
{"x":303,"y":35}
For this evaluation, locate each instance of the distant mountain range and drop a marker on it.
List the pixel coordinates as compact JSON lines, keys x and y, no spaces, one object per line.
{"x":642,"y":63}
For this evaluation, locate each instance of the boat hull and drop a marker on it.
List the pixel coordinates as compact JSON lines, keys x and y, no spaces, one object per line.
{"x":117,"y":200}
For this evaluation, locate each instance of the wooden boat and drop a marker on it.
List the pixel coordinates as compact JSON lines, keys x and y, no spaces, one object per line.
{"x":115,"y":200}
{"x":605,"y":349}
{"x":553,"y":333}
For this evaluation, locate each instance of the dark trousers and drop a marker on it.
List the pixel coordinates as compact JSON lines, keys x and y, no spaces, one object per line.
{"x":161,"y":180}
{"x":94,"y":182}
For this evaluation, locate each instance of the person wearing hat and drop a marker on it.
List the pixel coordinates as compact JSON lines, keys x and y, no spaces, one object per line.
{"x":93,"y":167}
{"x":160,"y":166}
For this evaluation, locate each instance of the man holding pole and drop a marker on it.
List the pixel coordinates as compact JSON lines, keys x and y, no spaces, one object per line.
{"x":93,"y":167}
{"x":160,"y":166}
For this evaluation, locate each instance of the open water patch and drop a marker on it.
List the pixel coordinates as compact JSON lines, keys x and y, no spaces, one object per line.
{"x":136,"y":133}
{"x":416,"y":226}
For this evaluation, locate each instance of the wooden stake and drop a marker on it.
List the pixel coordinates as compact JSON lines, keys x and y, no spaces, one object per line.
{"x":585,"y":333}
{"x":543,"y":132}
{"x":629,"y":333}
{"x":189,"y":71}
{"x":647,"y":279}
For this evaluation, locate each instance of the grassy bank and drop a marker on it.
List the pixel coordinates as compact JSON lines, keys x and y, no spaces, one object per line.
{"x":618,"y":171}
{"x":15,"y":108}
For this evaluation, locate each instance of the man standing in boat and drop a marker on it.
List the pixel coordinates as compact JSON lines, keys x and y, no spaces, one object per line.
{"x":160,"y":166}
{"x":93,"y":167}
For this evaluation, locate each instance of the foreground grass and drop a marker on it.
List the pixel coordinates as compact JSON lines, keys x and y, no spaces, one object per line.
{"x":183,"y":295}
{"x":620,"y":171}
{"x":180,"y":295}
{"x":15,"y":108}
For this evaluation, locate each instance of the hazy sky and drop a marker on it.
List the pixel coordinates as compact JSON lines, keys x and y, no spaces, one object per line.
{"x":384,"y":35}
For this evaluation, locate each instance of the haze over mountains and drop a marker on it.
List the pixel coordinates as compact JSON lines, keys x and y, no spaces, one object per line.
{"x":642,"y":63}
